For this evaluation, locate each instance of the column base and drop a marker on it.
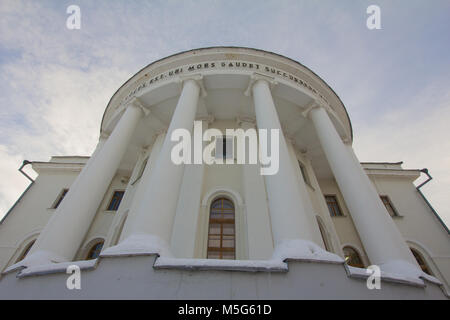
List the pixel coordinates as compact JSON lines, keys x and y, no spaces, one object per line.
{"x":303,"y":250}
{"x":37,"y":258}
{"x":138,"y":245}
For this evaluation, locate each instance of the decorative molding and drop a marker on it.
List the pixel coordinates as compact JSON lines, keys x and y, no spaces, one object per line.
{"x":258,"y":76}
{"x":209,"y":118}
{"x":198,"y":78}
{"x":137,"y":103}
{"x":244,"y":118}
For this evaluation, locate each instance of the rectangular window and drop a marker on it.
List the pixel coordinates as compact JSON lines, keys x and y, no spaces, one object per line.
{"x":60,"y":198}
{"x":333,"y":206}
{"x":224,"y":147}
{"x":304,"y":173}
{"x":115,"y":200}
{"x":389,"y":206}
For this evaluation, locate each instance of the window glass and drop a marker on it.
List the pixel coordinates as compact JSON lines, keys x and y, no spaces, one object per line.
{"x":304,"y":173}
{"x":25,"y":252}
{"x":221,"y":236}
{"x":115,"y":200}
{"x":389,"y":206}
{"x":333,"y":206}
{"x":421,"y":261}
{"x":352,"y":257}
{"x":95,"y":251}
{"x":224,"y":147}
{"x":60,"y":198}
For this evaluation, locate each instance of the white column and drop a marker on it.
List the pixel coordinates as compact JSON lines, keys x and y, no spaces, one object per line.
{"x":133,"y":193}
{"x":184,"y":233}
{"x":381,"y":239}
{"x":150,"y":227}
{"x":61,"y":237}
{"x":304,"y":195}
{"x":260,"y":240}
{"x":287,"y":212}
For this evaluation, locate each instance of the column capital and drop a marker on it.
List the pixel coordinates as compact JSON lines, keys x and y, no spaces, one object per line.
{"x":198,"y":78}
{"x":208,"y":118}
{"x":311,"y":106}
{"x":245,"y":119}
{"x":137,"y":103}
{"x":258,"y":76}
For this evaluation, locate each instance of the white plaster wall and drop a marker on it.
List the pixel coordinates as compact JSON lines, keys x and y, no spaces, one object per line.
{"x":417,"y":223}
{"x":31,"y":214}
{"x":135,"y":278}
{"x":344,"y":225}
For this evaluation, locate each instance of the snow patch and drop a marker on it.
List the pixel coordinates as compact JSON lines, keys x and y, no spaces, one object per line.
{"x":303,"y":250}
{"x":57,"y":267}
{"x":396,"y":271}
{"x":37,"y":258}
{"x":217,"y":264}
{"x":139,"y":244}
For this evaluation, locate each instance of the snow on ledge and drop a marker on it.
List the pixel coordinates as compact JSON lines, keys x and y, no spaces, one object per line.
{"x":56,"y":268}
{"x":417,"y":280}
{"x":38,"y":258}
{"x":303,"y":250}
{"x":217,"y":264}
{"x":139,"y":244}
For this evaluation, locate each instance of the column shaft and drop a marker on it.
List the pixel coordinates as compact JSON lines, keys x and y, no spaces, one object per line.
{"x":260,"y":240}
{"x":62,"y":236}
{"x":155,"y":211}
{"x":381,"y":238}
{"x":287,"y":212}
{"x":185,"y":225}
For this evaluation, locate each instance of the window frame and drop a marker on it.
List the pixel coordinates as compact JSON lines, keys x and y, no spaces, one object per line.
{"x":94,"y":248}
{"x":424,"y":266}
{"x":221,"y":222}
{"x":391,"y":205}
{"x":112,"y":198}
{"x":358,"y":254}
{"x":337,"y":204}
{"x":305,"y":174}
{"x":61,"y":195}
{"x":25,"y":251}
{"x":224,"y":140}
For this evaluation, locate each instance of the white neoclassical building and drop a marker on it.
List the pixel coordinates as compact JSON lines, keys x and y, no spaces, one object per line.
{"x":139,"y":225}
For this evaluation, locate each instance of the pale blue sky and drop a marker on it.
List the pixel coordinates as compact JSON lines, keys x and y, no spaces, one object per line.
{"x":395,"y":82}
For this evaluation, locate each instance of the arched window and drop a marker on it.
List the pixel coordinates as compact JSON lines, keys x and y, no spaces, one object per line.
{"x":94,"y":252}
{"x":221,"y":233}
{"x":323,"y":233}
{"x":25,"y":251}
{"x":352,"y":257}
{"x":421,"y":261}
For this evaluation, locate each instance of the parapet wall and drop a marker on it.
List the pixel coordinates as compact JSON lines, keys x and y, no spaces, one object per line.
{"x":141,"y":277}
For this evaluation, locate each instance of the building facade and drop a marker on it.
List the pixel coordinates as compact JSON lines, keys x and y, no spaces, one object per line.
{"x":139,"y":225}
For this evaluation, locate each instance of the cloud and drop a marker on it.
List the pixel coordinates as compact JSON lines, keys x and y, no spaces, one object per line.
{"x":417,"y":133}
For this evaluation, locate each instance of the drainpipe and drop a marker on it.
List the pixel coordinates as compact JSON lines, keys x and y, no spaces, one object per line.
{"x":25,"y":162}
{"x":426,"y":201}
